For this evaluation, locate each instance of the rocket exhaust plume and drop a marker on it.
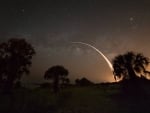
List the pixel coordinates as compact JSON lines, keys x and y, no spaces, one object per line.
{"x":106,"y":59}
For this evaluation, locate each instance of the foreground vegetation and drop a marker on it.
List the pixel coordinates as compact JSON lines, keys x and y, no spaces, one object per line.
{"x":107,"y":98}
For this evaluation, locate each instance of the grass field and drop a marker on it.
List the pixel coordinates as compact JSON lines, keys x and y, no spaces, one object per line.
{"x":92,"y":99}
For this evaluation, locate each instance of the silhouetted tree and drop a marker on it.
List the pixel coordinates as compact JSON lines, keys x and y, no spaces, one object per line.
{"x":130,"y":65}
{"x":15,"y":60}
{"x":83,"y":82}
{"x":56,"y":73}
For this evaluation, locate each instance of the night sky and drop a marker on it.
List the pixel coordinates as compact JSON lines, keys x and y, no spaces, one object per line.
{"x":112,"y":26}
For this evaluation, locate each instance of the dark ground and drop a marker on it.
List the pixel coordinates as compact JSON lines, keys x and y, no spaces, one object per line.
{"x":106,"y":98}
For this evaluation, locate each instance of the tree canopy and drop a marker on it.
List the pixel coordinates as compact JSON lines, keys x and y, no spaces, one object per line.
{"x":130,"y":66}
{"x":83,"y":82}
{"x":56,"y":73}
{"x":15,"y":60}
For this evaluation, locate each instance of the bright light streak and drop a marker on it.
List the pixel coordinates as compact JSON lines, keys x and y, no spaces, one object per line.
{"x":106,"y":59}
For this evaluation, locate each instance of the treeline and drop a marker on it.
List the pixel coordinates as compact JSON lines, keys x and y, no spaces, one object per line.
{"x":16,"y":58}
{"x":15,"y":61}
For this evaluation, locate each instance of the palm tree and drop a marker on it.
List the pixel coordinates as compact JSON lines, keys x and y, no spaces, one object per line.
{"x":56,"y":73}
{"x":130,"y":66}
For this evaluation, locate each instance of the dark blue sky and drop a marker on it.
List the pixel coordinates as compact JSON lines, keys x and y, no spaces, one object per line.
{"x":113,"y":26}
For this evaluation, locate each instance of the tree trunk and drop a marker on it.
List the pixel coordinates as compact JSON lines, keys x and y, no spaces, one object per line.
{"x":132,"y":75}
{"x":56,"y":84}
{"x":129,"y":87}
{"x":9,"y":82}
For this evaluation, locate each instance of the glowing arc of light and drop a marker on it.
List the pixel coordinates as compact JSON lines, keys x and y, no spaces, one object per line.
{"x":106,"y":59}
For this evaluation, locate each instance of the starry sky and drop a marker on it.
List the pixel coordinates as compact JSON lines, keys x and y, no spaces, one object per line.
{"x":112,"y":26}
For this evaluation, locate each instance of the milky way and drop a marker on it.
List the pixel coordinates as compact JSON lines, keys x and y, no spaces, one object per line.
{"x":114,"y":27}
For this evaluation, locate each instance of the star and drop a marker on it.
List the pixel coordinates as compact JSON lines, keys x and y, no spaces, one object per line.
{"x":131,"y":19}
